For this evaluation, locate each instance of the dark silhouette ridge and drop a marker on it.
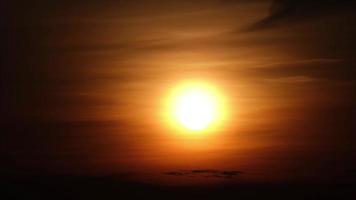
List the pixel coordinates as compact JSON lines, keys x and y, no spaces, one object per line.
{"x":116,"y":187}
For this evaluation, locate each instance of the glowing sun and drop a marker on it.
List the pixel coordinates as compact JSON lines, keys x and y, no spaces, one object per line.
{"x":195,"y":109}
{"x":195,"y":106}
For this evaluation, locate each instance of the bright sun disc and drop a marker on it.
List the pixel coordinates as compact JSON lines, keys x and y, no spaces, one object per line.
{"x":195,"y":109}
{"x":196,"y":106}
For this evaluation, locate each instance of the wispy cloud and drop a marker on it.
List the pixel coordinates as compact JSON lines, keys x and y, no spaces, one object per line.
{"x":292,"y":79}
{"x":288,"y":12}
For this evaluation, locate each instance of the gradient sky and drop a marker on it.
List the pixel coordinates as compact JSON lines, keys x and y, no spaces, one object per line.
{"x":83,"y":84}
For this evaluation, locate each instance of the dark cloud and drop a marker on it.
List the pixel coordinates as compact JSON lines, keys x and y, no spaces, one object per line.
{"x":234,"y":2}
{"x":208,"y":173}
{"x":287,"y":12}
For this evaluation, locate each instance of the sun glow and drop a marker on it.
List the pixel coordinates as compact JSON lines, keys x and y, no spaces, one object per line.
{"x":196,"y":107}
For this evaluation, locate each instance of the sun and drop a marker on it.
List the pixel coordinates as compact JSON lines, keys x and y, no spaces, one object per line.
{"x":195,"y":107}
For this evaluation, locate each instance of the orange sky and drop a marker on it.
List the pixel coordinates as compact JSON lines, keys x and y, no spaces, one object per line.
{"x":90,"y":79}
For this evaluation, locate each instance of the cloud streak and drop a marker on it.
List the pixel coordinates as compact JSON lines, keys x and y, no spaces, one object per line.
{"x":207,"y":173}
{"x":289,"y":12}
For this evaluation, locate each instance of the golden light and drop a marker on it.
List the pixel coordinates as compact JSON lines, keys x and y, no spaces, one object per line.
{"x":196,"y":107}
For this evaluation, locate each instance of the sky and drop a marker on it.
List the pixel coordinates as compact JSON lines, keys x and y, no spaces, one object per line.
{"x":83,"y":86}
